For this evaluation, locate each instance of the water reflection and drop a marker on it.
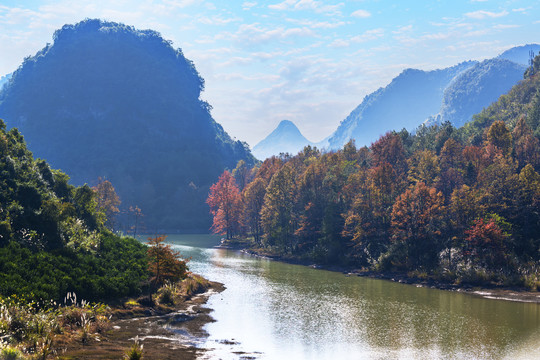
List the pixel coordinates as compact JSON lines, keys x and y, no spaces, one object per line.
{"x":272,"y":310}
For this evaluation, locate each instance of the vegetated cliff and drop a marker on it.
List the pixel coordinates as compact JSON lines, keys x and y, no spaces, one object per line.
{"x":107,"y":100}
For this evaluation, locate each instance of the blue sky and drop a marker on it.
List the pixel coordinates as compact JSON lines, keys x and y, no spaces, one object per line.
{"x":308,"y":61}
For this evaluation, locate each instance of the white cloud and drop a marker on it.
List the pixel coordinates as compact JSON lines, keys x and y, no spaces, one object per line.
{"x":505,"y":26}
{"x":317,"y":6}
{"x":403,"y":29}
{"x":247,"y":5}
{"x":368,"y":35}
{"x":254,"y":34}
{"x":217,"y":20}
{"x":361,"y":14}
{"x":339,"y":43}
{"x":317,"y":24}
{"x":482,"y":14}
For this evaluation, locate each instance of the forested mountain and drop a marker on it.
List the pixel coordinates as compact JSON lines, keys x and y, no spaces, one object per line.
{"x":286,"y":138}
{"x":460,"y":205}
{"x":415,"y":96}
{"x":406,"y":102}
{"x":472,"y":90}
{"x":107,"y":100}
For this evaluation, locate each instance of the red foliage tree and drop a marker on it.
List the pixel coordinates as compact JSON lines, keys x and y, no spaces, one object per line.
{"x":225,"y":206}
{"x":486,"y":244}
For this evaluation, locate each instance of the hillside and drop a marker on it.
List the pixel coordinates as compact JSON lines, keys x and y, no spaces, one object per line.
{"x":406,"y":102}
{"x":478,"y":87}
{"x":52,"y":234}
{"x":286,"y":138}
{"x":522,"y":101}
{"x":107,"y":100}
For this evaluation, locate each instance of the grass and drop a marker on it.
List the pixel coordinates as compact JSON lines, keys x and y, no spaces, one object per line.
{"x":29,"y":330}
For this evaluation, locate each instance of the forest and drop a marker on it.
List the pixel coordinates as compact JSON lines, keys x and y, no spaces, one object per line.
{"x":461,"y":205}
{"x":54,"y":237}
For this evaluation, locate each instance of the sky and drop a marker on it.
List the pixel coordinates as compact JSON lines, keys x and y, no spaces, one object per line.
{"x":308,"y":61}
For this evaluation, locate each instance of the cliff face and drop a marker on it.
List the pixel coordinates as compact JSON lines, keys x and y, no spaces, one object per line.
{"x":107,"y":100}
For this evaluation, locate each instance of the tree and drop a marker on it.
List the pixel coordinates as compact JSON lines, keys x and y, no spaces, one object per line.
{"x":487,"y":243}
{"x":164,"y":264}
{"x":526,"y":145}
{"x":225,"y":206}
{"x":417,"y":224}
{"x":499,"y":135}
{"x":253,"y":196}
{"x":423,"y":167}
{"x":277,"y":212}
{"x":242,"y":174}
{"x":107,"y":201}
{"x":389,"y":149}
{"x":137,"y":214}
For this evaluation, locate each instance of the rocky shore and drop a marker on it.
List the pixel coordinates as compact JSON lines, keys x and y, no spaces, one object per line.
{"x":165,"y":332}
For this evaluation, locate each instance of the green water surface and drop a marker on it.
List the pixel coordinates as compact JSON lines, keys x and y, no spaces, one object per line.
{"x":273,"y":310}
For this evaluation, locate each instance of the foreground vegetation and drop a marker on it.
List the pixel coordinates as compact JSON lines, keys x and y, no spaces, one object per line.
{"x":458,"y":205}
{"x":55,"y":240}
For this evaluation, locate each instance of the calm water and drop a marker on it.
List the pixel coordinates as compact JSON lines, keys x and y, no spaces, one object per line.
{"x":272,"y":310}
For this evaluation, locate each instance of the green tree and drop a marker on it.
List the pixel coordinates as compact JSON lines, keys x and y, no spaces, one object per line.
{"x":107,"y":201}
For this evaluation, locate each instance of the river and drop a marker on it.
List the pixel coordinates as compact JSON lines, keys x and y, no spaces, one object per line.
{"x":273,"y":310}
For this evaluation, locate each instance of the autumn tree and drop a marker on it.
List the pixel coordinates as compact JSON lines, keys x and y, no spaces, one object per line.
{"x":526,"y":145}
{"x":164,"y":263}
{"x":367,"y":222}
{"x":488,"y":243}
{"x":423,"y":167}
{"x":225,"y":206}
{"x":417,"y":225}
{"x":277,"y":212}
{"x":499,"y":135}
{"x":107,"y":201}
{"x":389,"y":149}
{"x":253,"y":196}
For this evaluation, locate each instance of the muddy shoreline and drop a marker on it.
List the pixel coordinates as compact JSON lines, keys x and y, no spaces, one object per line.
{"x":166,"y":333}
{"x":491,"y":292}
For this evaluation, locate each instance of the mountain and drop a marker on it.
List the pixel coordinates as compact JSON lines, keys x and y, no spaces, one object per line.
{"x":476,"y":88}
{"x":406,"y":102}
{"x":520,"y":54}
{"x":286,"y":138}
{"x":107,"y":100}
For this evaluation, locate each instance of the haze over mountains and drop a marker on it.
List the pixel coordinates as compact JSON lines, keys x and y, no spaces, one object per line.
{"x":107,"y":100}
{"x":414,"y":97}
{"x":286,"y":138}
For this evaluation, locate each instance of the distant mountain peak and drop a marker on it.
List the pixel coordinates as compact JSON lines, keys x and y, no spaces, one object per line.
{"x":520,"y":54}
{"x":286,"y":138}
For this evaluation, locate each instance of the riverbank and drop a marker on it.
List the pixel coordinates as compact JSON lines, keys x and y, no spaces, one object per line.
{"x":488,"y":291}
{"x":165,"y":331}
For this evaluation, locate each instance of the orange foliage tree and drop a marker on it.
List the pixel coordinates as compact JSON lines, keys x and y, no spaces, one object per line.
{"x":225,"y":206}
{"x":164,"y":264}
{"x":417,"y":222}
